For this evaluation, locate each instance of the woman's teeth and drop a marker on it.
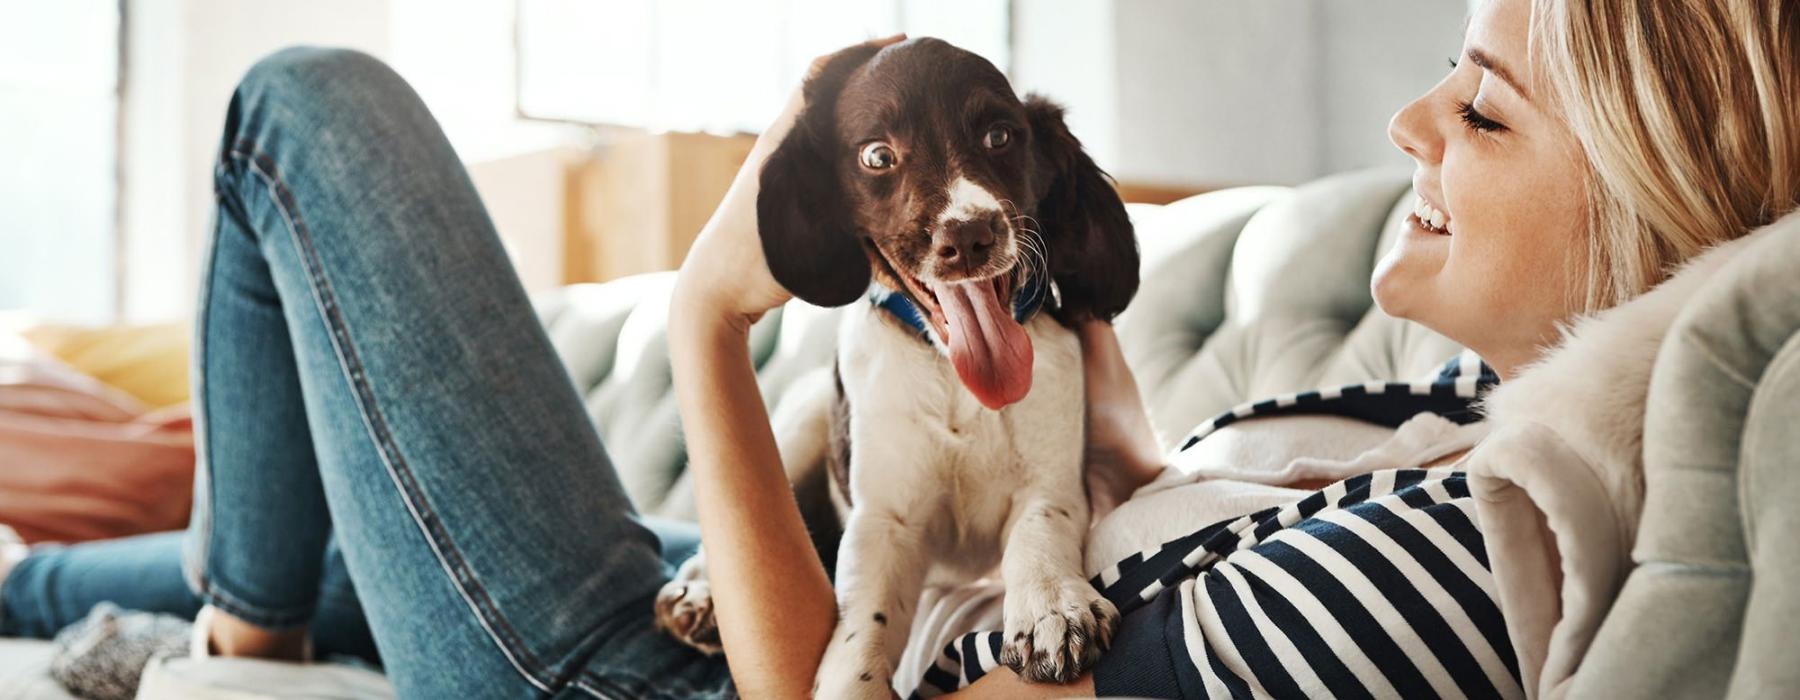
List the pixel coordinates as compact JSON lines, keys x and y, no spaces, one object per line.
{"x":1431,"y":217}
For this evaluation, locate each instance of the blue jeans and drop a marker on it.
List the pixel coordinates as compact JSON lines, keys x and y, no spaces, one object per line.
{"x":370,"y":370}
{"x":56,"y":586}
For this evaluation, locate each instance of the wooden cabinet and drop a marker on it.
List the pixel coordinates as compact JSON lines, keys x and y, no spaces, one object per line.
{"x":636,"y":202}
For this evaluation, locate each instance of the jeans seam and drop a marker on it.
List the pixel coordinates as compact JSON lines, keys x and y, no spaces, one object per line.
{"x":195,"y":562}
{"x":596,"y":684}
{"x":449,"y":558}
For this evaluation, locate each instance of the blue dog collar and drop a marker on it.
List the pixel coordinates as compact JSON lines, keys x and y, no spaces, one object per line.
{"x":1029,"y":300}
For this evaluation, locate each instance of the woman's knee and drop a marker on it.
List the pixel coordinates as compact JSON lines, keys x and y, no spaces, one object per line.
{"x":321,"y":78}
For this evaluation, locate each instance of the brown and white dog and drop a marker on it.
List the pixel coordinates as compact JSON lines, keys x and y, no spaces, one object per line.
{"x":917,"y":168}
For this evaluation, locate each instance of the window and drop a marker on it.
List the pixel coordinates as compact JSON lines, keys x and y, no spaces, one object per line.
{"x":713,"y":65}
{"x":59,"y":126}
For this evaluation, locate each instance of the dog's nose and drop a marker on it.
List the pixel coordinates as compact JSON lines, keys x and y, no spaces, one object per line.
{"x":966,"y":242}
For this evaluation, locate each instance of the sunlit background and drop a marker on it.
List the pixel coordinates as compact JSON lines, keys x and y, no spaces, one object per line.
{"x":601,"y":132}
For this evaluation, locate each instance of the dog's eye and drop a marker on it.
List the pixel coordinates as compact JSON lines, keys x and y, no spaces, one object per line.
{"x":879,"y":156}
{"x":997,"y":137}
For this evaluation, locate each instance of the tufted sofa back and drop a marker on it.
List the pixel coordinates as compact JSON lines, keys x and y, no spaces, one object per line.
{"x":1247,"y":293}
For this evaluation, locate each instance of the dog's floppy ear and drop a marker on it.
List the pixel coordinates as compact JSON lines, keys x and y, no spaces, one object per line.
{"x":802,"y":210}
{"x":1093,"y":251}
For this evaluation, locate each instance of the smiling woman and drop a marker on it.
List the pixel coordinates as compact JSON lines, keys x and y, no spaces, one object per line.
{"x":1481,"y":266}
{"x":1553,"y":179}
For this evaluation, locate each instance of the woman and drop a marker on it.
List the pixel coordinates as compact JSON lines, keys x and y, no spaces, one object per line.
{"x":370,"y":372}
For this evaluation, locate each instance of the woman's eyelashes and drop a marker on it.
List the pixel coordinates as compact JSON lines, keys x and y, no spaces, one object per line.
{"x":1472,"y":117}
{"x":1475,"y":120}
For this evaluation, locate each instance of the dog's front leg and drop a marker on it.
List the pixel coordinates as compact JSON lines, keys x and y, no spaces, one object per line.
{"x":881,"y":567}
{"x":1056,"y":623}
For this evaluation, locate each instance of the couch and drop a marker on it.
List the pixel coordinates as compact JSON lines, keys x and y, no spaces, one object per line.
{"x":1247,"y":293}
{"x":1253,"y":292}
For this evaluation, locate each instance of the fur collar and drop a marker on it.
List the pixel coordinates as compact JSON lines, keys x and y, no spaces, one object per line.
{"x":1592,"y":387}
{"x":1562,"y":471}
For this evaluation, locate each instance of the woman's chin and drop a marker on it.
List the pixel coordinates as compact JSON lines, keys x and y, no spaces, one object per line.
{"x":1405,"y":280}
{"x":1405,"y":296}
{"x":1394,"y":289}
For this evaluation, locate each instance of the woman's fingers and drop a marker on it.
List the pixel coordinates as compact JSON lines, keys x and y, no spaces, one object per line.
{"x":725,"y":272}
{"x":819,"y":63}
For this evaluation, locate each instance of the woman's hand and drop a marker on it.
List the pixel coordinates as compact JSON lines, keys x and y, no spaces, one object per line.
{"x":724,"y":275}
{"x":1122,"y":451}
{"x":774,"y":605}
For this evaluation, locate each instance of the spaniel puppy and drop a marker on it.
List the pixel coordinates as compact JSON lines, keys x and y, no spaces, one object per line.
{"x":916,"y":179}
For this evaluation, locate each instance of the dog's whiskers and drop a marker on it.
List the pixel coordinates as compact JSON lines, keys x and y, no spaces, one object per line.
{"x":1032,"y":258}
{"x":1030,"y":239}
{"x":1017,"y":214}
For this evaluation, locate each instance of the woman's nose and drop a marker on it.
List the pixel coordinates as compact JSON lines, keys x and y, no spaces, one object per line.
{"x":1413,"y":132}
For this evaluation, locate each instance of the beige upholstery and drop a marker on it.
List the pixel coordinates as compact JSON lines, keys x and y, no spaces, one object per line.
{"x":1710,"y":608}
{"x":1247,"y":293}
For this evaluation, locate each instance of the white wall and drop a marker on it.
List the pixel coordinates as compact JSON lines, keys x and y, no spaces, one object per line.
{"x":1378,"y":56}
{"x":1070,"y":55}
{"x":1224,"y":92}
{"x":1217,"y":92}
{"x":186,"y":57}
{"x":154,"y":152}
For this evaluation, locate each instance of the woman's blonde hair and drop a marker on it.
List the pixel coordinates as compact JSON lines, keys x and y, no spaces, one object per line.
{"x":1689,"y":114}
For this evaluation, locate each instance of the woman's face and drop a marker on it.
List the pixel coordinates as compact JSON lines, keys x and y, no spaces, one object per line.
{"x":1504,"y":173}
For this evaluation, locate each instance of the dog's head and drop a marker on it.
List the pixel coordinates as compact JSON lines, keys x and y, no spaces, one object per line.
{"x":916,"y":166}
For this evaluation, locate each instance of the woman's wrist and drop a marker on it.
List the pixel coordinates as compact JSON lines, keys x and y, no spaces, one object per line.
{"x":1123,"y":453}
{"x":698,"y":306}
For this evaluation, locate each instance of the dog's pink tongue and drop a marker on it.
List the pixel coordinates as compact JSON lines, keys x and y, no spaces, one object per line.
{"x":990,"y":350}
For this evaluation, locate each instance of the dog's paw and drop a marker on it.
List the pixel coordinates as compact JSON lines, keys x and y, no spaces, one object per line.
{"x":1056,"y":629}
{"x":684,"y":608}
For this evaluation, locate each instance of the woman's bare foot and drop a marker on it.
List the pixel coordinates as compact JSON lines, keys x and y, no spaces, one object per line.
{"x":229,"y":636}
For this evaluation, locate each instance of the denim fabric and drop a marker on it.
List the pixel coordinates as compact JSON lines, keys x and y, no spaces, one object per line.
{"x":56,"y":586}
{"x":369,"y":368}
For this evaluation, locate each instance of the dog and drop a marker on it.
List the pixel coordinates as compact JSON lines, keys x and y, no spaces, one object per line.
{"x":916,"y":178}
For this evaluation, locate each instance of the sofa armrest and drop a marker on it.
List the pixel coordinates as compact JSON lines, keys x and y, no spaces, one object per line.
{"x":1711,"y":602}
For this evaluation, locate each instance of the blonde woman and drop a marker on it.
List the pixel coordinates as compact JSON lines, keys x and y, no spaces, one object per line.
{"x":1574,"y":153}
{"x":370,"y":377}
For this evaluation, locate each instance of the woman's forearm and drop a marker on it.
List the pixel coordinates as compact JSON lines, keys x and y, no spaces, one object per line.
{"x":1123,"y":452}
{"x":773,"y":601}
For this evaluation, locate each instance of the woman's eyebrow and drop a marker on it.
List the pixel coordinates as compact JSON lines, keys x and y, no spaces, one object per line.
{"x":1487,"y":63}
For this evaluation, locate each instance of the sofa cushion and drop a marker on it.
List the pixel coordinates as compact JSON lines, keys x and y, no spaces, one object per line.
{"x":1246,"y":293}
{"x":1708,"y":609}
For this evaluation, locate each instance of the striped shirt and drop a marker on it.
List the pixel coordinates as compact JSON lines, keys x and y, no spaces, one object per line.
{"x":1375,"y":586}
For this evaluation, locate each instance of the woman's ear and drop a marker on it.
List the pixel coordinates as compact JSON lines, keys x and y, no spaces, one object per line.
{"x":1093,"y":250}
{"x":802,"y":209}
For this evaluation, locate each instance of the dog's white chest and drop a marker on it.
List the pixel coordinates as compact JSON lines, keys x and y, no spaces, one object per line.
{"x":921,"y":443}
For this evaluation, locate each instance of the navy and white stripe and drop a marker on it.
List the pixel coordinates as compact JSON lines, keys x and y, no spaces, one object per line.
{"x":1375,"y":586}
{"x":1449,"y":393}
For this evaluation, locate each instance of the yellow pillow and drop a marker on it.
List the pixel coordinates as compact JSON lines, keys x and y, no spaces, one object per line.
{"x":149,"y":362}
